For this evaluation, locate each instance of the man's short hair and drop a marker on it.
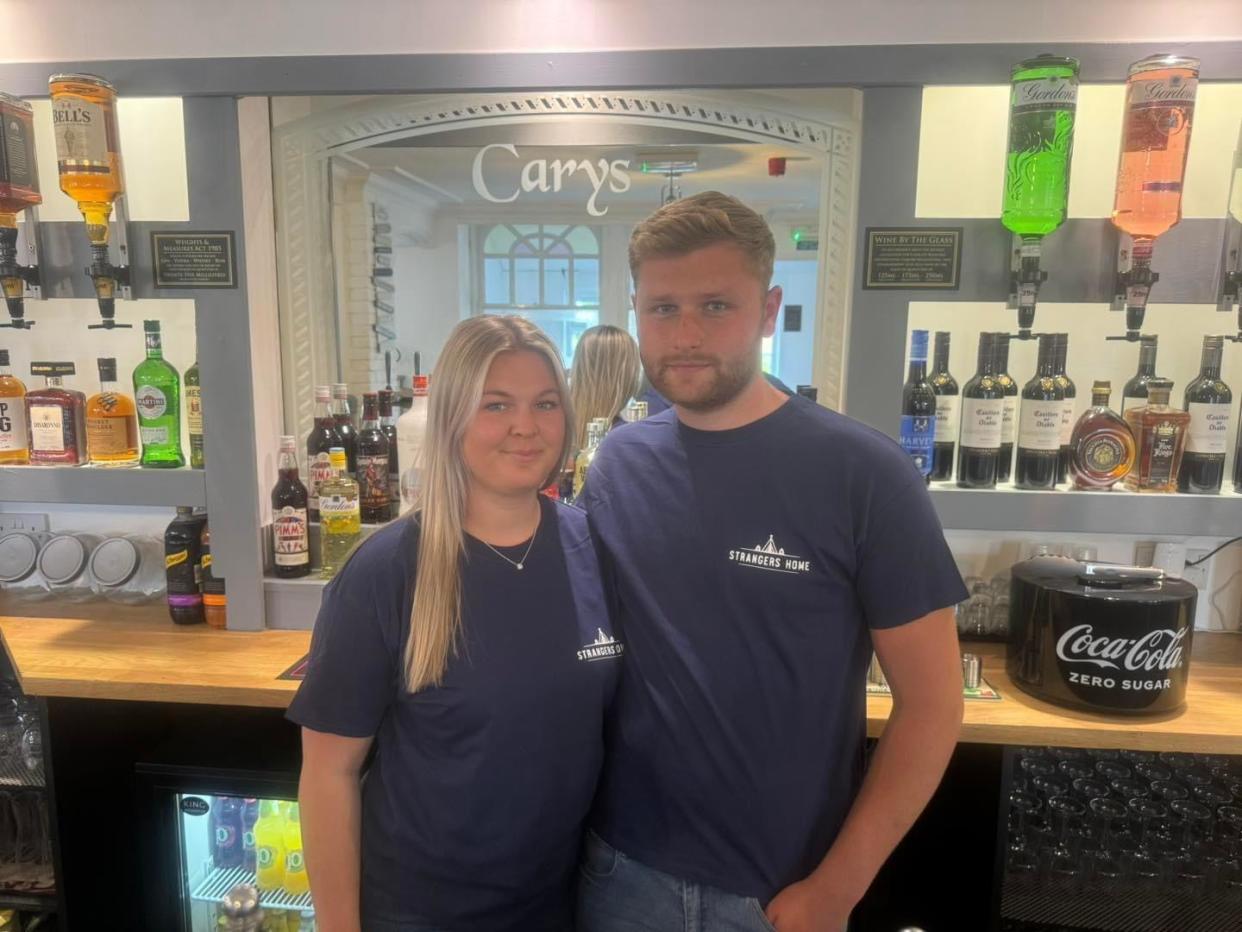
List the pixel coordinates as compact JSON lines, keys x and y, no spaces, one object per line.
{"x":703,"y":220}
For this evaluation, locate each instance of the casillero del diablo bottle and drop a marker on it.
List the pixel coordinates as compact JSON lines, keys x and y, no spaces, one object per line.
{"x":982,"y":411}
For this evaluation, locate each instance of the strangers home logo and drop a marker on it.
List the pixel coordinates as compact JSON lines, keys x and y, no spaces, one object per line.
{"x":771,"y":557}
{"x":604,"y":647}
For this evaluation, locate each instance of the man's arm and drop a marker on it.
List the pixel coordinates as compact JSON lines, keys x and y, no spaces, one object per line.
{"x":922,"y":663}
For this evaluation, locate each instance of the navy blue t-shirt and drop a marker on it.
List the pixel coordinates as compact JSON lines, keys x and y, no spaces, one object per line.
{"x":751,"y":565}
{"x":475,"y":803}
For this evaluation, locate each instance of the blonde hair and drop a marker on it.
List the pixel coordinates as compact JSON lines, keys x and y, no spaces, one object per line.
{"x":456,"y":391}
{"x":703,"y":220}
{"x":606,"y":374}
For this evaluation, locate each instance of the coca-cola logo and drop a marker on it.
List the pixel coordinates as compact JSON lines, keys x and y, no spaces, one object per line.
{"x":1160,"y":649}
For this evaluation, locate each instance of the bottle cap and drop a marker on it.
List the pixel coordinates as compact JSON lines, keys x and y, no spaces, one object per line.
{"x":80,"y":79}
{"x":918,"y":346}
{"x":1101,"y":385}
{"x":323,"y":393}
{"x":150,"y":326}
{"x":1159,"y":62}
{"x":336,"y":456}
{"x":1213,"y":343}
{"x":16,"y":102}
{"x":340,"y":390}
{"x":1158,"y":391}
{"x":288,"y":443}
{"x":1045,"y":61}
{"x":107,"y":369}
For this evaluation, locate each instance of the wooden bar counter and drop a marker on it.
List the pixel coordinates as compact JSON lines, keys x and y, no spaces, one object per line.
{"x":152,"y":660}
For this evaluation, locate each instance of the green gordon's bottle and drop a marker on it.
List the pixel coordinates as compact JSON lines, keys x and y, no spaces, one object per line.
{"x":1042,"y":102}
{"x":157,"y":393}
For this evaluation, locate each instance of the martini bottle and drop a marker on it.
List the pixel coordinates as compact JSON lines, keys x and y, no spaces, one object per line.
{"x":1043,"y":98}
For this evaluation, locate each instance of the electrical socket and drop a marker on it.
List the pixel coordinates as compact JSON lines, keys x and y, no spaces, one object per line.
{"x":1197,"y":576}
{"x":12,"y":521}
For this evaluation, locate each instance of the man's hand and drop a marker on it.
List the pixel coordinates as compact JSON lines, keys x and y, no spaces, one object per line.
{"x":810,"y":905}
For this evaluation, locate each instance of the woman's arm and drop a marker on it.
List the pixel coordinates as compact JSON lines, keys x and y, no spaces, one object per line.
{"x":331,"y":805}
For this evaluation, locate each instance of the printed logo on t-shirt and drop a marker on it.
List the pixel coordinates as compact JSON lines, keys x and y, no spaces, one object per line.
{"x":768,"y":556}
{"x":604,"y":647}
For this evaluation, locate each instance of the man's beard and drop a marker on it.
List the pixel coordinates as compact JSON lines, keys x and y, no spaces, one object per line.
{"x":731,"y":376}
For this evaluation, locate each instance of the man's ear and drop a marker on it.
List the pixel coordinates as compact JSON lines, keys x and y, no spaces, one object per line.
{"x":771,"y":307}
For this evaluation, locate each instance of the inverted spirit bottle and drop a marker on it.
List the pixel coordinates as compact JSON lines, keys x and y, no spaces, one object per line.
{"x":1103,"y":445}
{"x":14,"y":435}
{"x":982,"y":411}
{"x":19,"y":189}
{"x":1155,"y":141}
{"x":1043,"y":99}
{"x":157,"y":393}
{"x":88,"y":159}
{"x":948,"y":409}
{"x":1039,"y":437}
{"x":918,"y":408}
{"x":1208,"y":402}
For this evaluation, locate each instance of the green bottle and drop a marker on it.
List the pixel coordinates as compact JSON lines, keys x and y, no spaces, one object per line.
{"x":157,"y":394}
{"x":194,"y":415}
{"x":1043,"y":97}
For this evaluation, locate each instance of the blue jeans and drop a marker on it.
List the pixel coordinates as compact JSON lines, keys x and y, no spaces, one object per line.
{"x":618,"y":894}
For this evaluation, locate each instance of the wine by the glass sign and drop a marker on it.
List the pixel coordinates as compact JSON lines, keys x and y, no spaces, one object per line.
{"x":500,"y":176}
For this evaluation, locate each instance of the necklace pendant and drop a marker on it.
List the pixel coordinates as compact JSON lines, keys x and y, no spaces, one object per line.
{"x":518,"y":565}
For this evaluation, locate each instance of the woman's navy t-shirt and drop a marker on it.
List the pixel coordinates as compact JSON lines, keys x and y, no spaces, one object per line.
{"x":474,"y":806}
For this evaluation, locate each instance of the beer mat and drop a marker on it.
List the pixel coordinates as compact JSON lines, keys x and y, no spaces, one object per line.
{"x":297,"y":671}
{"x":986,"y":691}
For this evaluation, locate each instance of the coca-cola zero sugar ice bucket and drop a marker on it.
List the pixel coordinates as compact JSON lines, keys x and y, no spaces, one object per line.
{"x":1101,"y":637}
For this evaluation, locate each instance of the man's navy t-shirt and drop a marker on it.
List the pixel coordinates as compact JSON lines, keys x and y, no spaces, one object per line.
{"x":751,"y":565}
{"x":475,"y":804}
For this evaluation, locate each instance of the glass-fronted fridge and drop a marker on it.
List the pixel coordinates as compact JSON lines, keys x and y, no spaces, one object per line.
{"x":226,"y":841}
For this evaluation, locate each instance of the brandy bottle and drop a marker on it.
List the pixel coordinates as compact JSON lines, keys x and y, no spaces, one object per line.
{"x":1102,"y":443}
{"x":57,"y":418}
{"x":1160,"y":434}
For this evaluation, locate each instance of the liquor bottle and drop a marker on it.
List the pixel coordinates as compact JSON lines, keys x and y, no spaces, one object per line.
{"x":918,"y":408}
{"x":1043,"y":98}
{"x":1067,"y":411}
{"x":1155,"y":140}
{"x":411,"y":431}
{"x":344,"y":419}
{"x":982,"y":412}
{"x":1237,"y":459}
{"x":319,"y":443}
{"x":1103,"y":445}
{"x":339,"y":514}
{"x":19,"y":189}
{"x":56,"y":418}
{"x":1009,"y":411}
{"x":1160,"y":435}
{"x":290,"y":522}
{"x":1135,"y":392}
{"x":1207,"y":401}
{"x":194,"y":414}
{"x":388,"y":424}
{"x":88,"y":160}
{"x":1039,"y":439}
{"x":14,"y":435}
{"x":157,"y":392}
{"x":596,"y":428}
{"x":111,"y":422}
{"x":948,"y":409}
{"x":372,"y":447}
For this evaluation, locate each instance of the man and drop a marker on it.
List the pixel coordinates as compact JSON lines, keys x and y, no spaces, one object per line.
{"x":761,"y":547}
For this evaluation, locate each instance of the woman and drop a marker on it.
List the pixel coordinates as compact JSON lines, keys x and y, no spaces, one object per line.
{"x":468,"y":645}
{"x":606,"y":375}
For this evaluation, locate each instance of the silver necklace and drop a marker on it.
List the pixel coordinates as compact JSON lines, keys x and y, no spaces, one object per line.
{"x":516,"y":564}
